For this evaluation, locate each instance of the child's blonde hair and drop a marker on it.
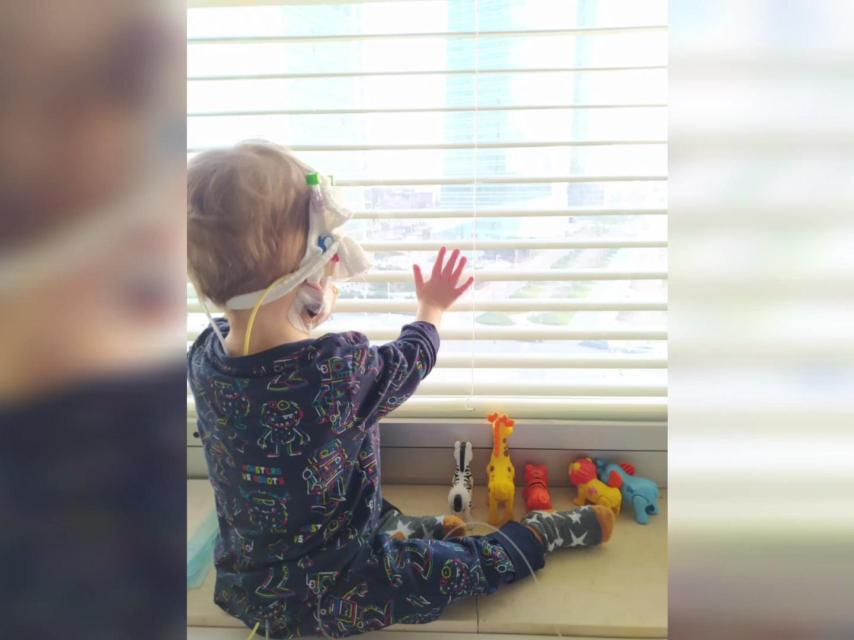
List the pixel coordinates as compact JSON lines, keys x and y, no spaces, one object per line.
{"x":247,"y":218}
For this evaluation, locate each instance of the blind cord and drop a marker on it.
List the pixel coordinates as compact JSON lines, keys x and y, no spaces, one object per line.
{"x":476,"y":174}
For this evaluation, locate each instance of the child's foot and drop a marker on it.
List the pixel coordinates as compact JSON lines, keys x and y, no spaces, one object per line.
{"x":584,"y":527}
{"x":404,"y":527}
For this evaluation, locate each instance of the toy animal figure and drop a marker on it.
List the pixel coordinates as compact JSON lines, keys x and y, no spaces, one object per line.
{"x":536,"y":492}
{"x":582,"y":473}
{"x":502,"y":474}
{"x":459,"y":497}
{"x":641,"y":493}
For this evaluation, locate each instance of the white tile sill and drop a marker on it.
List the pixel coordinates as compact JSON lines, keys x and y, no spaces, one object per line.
{"x":615,"y":591}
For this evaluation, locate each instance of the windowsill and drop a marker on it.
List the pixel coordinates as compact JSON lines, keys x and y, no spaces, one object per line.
{"x":421,"y":451}
{"x":529,"y":433}
{"x":618,"y":590}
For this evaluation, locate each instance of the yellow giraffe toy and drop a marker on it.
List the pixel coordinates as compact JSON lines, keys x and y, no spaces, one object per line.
{"x":501,"y":486}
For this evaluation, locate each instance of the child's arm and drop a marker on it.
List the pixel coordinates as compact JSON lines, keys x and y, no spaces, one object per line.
{"x":393,"y":371}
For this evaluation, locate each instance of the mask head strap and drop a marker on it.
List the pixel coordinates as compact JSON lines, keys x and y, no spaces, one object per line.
{"x":325,"y":243}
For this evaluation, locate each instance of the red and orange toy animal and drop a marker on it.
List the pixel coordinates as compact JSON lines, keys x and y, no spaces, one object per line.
{"x":582,"y":473}
{"x":536,"y":492}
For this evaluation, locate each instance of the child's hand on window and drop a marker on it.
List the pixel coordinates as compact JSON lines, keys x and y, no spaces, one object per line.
{"x":436,"y":295}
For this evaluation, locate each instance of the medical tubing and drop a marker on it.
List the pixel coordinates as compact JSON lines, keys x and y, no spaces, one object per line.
{"x":213,"y":324}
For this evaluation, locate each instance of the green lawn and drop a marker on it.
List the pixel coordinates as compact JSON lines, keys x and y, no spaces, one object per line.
{"x":572,"y":290}
{"x":530,"y":290}
{"x":495,"y":319}
{"x":553,"y":318}
{"x":567,"y":260}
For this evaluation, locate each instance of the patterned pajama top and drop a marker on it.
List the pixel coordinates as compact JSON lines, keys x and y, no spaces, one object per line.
{"x":291,"y":441}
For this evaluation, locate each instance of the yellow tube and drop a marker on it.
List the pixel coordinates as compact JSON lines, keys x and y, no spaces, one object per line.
{"x":254,"y":313}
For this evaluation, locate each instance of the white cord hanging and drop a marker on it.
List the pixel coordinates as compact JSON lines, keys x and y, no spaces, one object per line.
{"x":476,"y":173}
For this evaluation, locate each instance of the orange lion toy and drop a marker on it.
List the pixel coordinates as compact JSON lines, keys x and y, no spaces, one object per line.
{"x":536,"y":491}
{"x":582,"y":473}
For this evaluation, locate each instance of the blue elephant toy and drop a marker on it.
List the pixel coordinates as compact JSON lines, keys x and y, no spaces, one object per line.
{"x":641,"y":493}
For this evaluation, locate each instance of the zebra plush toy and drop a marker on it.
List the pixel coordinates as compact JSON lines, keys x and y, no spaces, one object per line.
{"x":459,"y":498}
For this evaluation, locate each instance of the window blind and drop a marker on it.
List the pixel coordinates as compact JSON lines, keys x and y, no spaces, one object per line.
{"x":531,"y":134}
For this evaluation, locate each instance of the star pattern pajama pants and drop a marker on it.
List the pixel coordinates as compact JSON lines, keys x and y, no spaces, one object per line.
{"x":411,"y":581}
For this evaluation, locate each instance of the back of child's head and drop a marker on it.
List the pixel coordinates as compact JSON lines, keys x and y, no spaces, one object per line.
{"x":247,"y":218}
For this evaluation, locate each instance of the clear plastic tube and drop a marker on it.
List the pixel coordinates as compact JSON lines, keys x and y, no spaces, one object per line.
{"x":213,"y":324}
{"x":519,"y":551}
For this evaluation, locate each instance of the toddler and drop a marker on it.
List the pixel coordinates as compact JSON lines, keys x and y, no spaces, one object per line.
{"x":289,"y":423}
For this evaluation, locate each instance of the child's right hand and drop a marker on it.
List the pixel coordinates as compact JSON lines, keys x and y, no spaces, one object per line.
{"x":437,"y":294}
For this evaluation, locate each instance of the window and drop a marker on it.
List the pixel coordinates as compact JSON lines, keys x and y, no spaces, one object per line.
{"x":529,"y":133}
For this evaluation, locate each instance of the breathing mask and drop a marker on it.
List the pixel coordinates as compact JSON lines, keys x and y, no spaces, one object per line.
{"x":313,"y":278}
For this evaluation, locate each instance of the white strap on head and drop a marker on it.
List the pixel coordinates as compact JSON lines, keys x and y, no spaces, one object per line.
{"x":324,"y":241}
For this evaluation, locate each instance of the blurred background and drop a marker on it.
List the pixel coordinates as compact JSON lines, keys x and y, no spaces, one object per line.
{"x":761,"y":346}
{"x":92,"y":262}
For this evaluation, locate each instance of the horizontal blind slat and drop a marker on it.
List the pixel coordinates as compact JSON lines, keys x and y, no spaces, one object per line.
{"x":325,"y":112}
{"x":421,"y":72}
{"x":510,"y":33}
{"x":613,"y":408}
{"x":515,"y":333}
{"x":358,"y":305}
{"x":554,"y":275}
{"x":547,"y":361}
{"x":542,"y":361}
{"x":505,"y":213}
{"x":547,"y":275}
{"x":529,"y":388}
{"x":481,"y":245}
{"x":595,"y":408}
{"x":417,"y":146}
{"x":393,"y":182}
